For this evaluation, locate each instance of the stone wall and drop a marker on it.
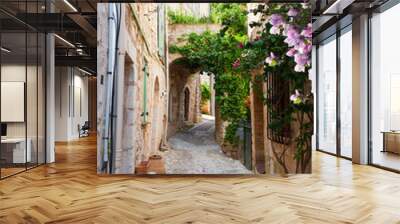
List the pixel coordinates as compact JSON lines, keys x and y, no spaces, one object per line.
{"x":264,"y":150}
{"x":141,"y":100}
{"x":182,"y":83}
{"x":271,"y":164}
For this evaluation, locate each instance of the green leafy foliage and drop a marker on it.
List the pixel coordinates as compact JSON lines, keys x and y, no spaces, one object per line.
{"x":179,"y":17}
{"x":301,"y":113}
{"x":233,"y":18}
{"x":205,"y":93}
{"x":231,"y":95}
{"x":216,"y":53}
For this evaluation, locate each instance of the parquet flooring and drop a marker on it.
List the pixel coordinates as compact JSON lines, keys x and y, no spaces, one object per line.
{"x":70,"y":191}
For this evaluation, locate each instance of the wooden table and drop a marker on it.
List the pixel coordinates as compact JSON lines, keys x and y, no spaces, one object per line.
{"x":391,"y":141}
{"x":14,"y":150}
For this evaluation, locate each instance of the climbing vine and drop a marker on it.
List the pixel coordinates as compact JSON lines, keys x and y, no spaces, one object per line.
{"x":179,"y":17}
{"x":217,"y":53}
{"x":283,"y":45}
{"x":205,"y":93}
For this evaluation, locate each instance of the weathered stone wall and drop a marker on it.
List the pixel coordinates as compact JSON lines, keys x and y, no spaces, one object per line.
{"x":181,"y":80}
{"x":271,"y":164}
{"x":175,"y":31}
{"x":264,"y":150}
{"x":139,"y":132}
{"x":102,"y":46}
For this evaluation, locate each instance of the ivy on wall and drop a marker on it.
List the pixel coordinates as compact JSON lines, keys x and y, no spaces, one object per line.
{"x":205,"y":93}
{"x":217,"y":53}
{"x":180,"y":17}
{"x":283,"y":45}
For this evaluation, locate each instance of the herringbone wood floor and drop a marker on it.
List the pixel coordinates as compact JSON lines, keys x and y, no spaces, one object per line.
{"x":69,"y":191}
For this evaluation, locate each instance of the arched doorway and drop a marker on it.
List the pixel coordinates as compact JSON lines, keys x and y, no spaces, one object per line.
{"x":155,"y":124}
{"x":186,"y":103}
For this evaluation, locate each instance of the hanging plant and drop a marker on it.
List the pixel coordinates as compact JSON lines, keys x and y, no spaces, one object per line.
{"x":219,"y":54}
{"x":283,"y":45}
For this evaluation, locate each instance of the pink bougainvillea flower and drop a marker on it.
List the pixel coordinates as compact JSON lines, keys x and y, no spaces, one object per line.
{"x":240,"y":45}
{"x":275,"y":30}
{"x":293,"y":37}
{"x":276,"y":20}
{"x":304,"y":47}
{"x":300,"y":68}
{"x":307,"y":32}
{"x":286,"y":27}
{"x":291,"y":52}
{"x":293,"y":12}
{"x":301,"y":59}
{"x":236,"y":64}
{"x":298,"y":39}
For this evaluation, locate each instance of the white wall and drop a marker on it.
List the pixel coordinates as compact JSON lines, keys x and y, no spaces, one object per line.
{"x":33,"y":126}
{"x":71,"y":87}
{"x":12,"y":73}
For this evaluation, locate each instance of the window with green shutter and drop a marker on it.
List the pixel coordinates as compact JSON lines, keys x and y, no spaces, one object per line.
{"x":145,"y":113}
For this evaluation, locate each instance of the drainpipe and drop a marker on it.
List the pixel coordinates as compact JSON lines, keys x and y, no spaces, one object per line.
{"x":108,"y":87}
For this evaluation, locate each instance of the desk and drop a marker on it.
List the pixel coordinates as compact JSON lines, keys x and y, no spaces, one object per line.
{"x":391,"y":141}
{"x":15,"y":148}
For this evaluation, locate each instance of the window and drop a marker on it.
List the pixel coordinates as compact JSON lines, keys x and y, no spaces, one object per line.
{"x":278,"y":99}
{"x":385,"y":89}
{"x":22,"y":78}
{"x":346,"y":73}
{"x":145,"y":112}
{"x":327,"y":96}
{"x":161,"y":30}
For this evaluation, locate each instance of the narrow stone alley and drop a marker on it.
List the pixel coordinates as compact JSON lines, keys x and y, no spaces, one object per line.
{"x":194,"y":151}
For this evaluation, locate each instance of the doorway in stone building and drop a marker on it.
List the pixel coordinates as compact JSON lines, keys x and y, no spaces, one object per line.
{"x":155,"y":115}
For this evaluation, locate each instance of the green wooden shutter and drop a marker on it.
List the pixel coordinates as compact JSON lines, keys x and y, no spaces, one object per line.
{"x":145,"y":75}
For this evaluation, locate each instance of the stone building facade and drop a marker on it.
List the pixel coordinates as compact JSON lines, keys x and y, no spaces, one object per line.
{"x":263,"y":148}
{"x":141,"y":83}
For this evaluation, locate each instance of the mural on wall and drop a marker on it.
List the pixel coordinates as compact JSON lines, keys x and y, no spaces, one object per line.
{"x":212,"y":88}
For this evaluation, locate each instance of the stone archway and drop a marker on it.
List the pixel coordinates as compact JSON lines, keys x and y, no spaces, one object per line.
{"x":184,"y":92}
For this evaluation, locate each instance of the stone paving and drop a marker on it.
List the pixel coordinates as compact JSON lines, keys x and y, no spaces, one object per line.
{"x":195,"y":151}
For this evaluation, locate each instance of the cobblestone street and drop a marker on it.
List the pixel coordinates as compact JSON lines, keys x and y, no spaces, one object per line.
{"x":195,"y":151}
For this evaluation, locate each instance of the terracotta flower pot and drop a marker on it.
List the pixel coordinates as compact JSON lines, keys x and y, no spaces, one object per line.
{"x":141,"y":168}
{"x":156,"y":165}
